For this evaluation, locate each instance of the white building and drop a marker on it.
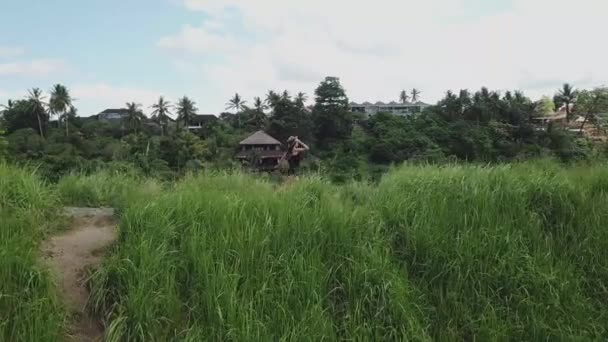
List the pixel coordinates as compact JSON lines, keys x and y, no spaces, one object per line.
{"x":404,"y":109}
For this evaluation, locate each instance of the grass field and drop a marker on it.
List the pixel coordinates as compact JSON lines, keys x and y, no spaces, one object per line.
{"x":29,"y":309}
{"x":430,"y":253}
{"x":514,"y":252}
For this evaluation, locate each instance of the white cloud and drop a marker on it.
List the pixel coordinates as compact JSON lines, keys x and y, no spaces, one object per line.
{"x":37,"y":67}
{"x":381,"y":47}
{"x":93,"y":98}
{"x":200,"y":40}
{"x":10,"y":51}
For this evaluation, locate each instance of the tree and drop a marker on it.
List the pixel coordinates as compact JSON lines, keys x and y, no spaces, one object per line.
{"x":331,"y":116}
{"x":403,"y":97}
{"x":415,"y":95}
{"x":186,"y":109}
{"x":257,"y":117}
{"x":301,"y":99}
{"x":37,"y":107}
{"x":161,"y":113}
{"x":237,"y":104}
{"x":68,"y":116}
{"x":591,"y":103}
{"x":8,"y":106}
{"x":288,"y":117}
{"x":134,"y":115}
{"x":272,"y":98}
{"x":567,"y":95}
{"x":59,"y":104}
{"x":545,"y":106}
{"x":259,"y":105}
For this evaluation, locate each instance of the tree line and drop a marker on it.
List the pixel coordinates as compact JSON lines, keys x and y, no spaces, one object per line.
{"x":484,"y":126}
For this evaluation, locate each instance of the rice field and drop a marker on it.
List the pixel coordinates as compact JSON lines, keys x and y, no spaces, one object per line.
{"x":513,"y":252}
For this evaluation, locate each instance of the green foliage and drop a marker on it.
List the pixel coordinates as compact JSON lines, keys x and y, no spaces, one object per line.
{"x":591,"y":103}
{"x":288,"y":117}
{"x":113,"y":188}
{"x":545,"y":106}
{"x":484,"y":126}
{"x":160,"y":113}
{"x":3,"y":146}
{"x":29,"y":309}
{"x":186,"y":109}
{"x":331,"y":116}
{"x":451,"y":253}
{"x":502,"y":253}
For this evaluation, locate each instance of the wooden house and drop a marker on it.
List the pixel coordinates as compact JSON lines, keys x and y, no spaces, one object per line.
{"x":260,"y":151}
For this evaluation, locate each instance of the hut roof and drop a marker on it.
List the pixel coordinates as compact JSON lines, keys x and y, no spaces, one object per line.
{"x":260,"y":138}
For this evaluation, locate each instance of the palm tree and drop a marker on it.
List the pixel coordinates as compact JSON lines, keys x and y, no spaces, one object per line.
{"x":272,"y":98}
{"x":37,"y":105}
{"x":9,"y":105}
{"x":134,"y":115}
{"x":567,"y":95}
{"x":186,"y":109}
{"x":237,"y":104}
{"x":415,"y":95}
{"x":161,"y":113}
{"x":301,"y":99}
{"x":259,"y":105}
{"x":59,"y":103}
{"x":403,"y":97}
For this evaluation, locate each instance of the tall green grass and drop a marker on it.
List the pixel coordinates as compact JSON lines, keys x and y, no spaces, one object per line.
{"x":227,"y":257}
{"x":431,"y":253}
{"x":105,"y":188}
{"x":29,"y":309}
{"x":453,"y":253}
{"x":508,"y":252}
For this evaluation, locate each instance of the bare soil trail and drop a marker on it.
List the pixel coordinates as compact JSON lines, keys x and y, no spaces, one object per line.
{"x":69,"y":255}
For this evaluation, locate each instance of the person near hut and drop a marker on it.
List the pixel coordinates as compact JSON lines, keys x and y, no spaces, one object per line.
{"x":294,"y":154}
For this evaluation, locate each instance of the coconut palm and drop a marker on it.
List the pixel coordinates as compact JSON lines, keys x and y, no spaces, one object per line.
{"x":272,"y":98}
{"x":37,"y":106}
{"x":403,"y":97}
{"x":415,"y":95}
{"x":567,"y":95}
{"x":237,"y":104}
{"x":134,"y":115}
{"x":161,"y":112}
{"x":186,"y":109}
{"x":9,"y":105}
{"x":59,"y":104}
{"x":301,"y":99}
{"x":259,"y":105}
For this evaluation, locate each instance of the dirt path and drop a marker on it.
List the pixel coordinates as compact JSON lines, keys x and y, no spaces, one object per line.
{"x":70,"y":253}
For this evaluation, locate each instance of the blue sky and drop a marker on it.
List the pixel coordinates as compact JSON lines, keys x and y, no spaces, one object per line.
{"x":110,"y":52}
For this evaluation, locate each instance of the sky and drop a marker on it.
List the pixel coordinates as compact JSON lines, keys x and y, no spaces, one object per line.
{"x":115,"y":51}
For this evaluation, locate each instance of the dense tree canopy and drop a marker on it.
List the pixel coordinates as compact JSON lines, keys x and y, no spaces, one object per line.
{"x":479,"y":126}
{"x":332,"y":119}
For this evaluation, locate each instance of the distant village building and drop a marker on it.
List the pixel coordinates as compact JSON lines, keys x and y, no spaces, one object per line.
{"x":403,"y":109}
{"x":200,"y":121}
{"x":557,"y":117}
{"x":113,"y":114}
{"x":260,"y":151}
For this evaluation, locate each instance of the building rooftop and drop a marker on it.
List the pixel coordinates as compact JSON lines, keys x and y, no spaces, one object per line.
{"x":119,"y":111}
{"x":203,"y":118}
{"x":260,"y":138}
{"x":392,"y":103}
